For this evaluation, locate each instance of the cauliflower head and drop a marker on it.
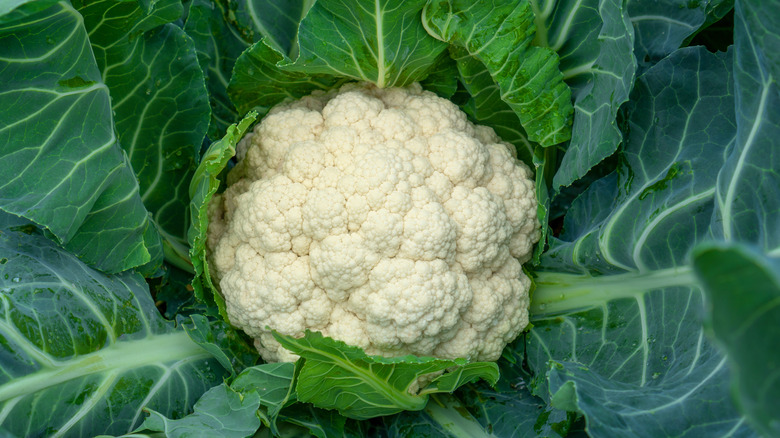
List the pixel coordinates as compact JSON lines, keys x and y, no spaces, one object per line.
{"x":379,"y":217}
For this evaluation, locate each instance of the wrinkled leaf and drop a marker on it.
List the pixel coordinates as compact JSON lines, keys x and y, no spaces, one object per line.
{"x":222,"y":341}
{"x":486,"y":107}
{"x":60,"y":166}
{"x":273,"y":382}
{"x":527,"y":76}
{"x":443,"y":79}
{"x":594,"y":41}
{"x":203,"y":186}
{"x":275,"y":21}
{"x":335,"y":375}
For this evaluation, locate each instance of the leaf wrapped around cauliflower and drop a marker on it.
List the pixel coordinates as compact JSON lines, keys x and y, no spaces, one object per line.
{"x":379,"y":217}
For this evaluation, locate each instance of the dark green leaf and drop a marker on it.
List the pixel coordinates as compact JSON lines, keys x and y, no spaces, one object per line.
{"x":663,"y":26}
{"x":320,"y":423}
{"x":60,"y":166}
{"x":620,"y":316}
{"x":222,"y":341}
{"x":220,"y":412}
{"x":276,"y":21}
{"x":82,"y":352}
{"x":443,"y":79}
{"x":172,"y":292}
{"x":717,"y":32}
{"x":13,"y":10}
{"x":748,"y":190}
{"x":335,"y":375}
{"x":273,"y":382}
{"x":482,"y":412}
{"x":527,"y":76}
{"x":159,"y":100}
{"x":509,"y":409}
{"x":218,"y":44}
{"x":743,"y":295}
{"x":543,"y":159}
{"x":594,"y":40}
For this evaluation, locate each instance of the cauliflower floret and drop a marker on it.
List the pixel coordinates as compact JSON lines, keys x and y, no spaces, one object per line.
{"x":379,"y":217}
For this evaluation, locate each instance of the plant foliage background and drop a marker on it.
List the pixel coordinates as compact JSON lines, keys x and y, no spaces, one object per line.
{"x":654,"y":128}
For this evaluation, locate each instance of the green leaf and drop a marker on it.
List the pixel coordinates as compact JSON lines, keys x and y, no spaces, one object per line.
{"x":594,"y":41}
{"x":203,"y":186}
{"x":443,"y":79}
{"x":219,"y":412}
{"x":743,"y":297}
{"x":486,"y":107}
{"x":276,"y":21}
{"x":60,"y":166}
{"x":273,"y":382}
{"x":451,"y":417}
{"x":335,"y":375}
{"x":159,"y":100}
{"x":222,"y":341}
{"x":338,"y":41}
{"x":218,"y":45}
{"x":482,"y":412}
{"x":279,"y":409}
{"x":258,"y":84}
{"x":378,"y":41}
{"x":616,"y":306}
{"x":509,"y":409}
{"x":527,"y":76}
{"x":748,"y":190}
{"x":720,"y":35}
{"x":543,"y":161}
{"x":454,"y":379}
{"x":663,"y":26}
{"x":310,"y":421}
{"x":172,"y":292}
{"x":13,"y":10}
{"x":82,"y":352}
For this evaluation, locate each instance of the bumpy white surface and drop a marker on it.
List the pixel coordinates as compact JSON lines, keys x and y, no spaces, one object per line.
{"x":380,"y":217}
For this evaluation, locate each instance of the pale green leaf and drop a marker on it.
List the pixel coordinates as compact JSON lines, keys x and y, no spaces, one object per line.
{"x":335,"y":375}
{"x":204,"y":184}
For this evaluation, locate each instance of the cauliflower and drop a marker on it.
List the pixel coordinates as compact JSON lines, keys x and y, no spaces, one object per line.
{"x":379,"y":217}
